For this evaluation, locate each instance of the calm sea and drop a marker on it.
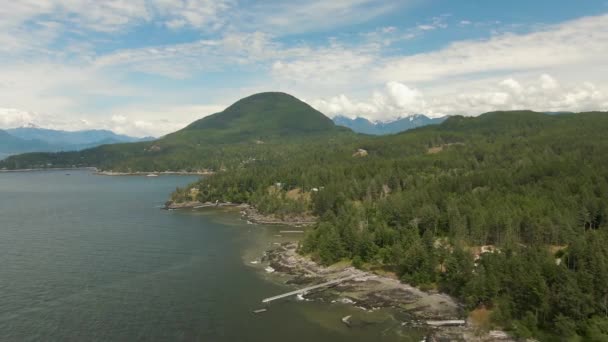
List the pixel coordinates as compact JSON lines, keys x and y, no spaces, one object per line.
{"x":93,"y":258}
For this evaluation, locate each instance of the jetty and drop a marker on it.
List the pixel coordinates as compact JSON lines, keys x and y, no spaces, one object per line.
{"x":310,"y":288}
{"x":447,"y":323}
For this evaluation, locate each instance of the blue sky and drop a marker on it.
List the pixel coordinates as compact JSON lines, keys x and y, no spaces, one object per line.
{"x":149,"y":67}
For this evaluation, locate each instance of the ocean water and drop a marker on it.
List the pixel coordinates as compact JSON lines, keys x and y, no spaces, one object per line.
{"x":94,"y":258}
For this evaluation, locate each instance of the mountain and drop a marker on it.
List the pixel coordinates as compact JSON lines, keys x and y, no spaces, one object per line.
{"x":10,"y":144}
{"x":250,"y":129}
{"x":67,"y":140}
{"x":362,"y":125}
{"x":31,"y":139}
{"x":262,"y":115}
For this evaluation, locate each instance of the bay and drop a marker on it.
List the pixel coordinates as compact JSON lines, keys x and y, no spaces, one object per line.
{"x":93,"y":258}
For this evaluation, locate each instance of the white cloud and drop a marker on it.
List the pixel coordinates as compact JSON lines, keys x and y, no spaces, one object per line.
{"x":284,"y":17}
{"x":548,"y":82}
{"x":112,"y":15}
{"x":395,"y":101}
{"x":403,"y":96}
{"x":541,"y":94}
{"x":439,"y":22}
{"x":156,"y":121}
{"x":182,"y":60}
{"x":12,"y":117}
{"x":207,"y":14}
{"x":325,"y":67}
{"x":513,"y":85}
{"x":502,"y":72}
{"x":577,"y":44}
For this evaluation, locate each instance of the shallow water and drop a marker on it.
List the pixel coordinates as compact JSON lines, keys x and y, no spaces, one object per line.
{"x":86,"y":257}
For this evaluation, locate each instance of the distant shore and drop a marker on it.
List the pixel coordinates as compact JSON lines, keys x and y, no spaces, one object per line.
{"x":115,"y":173}
{"x":154,"y":173}
{"x":52,"y":169}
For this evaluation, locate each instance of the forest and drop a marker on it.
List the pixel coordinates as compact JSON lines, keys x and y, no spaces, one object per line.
{"x":507,"y":211}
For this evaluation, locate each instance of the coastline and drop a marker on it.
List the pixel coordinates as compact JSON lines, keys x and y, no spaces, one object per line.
{"x":248,"y":213}
{"x":155,"y":173}
{"x":114,"y":173}
{"x":370,"y":291}
{"x":94,"y":169}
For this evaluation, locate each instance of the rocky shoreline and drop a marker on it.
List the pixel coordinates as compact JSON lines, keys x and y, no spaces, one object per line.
{"x":248,"y":212}
{"x":368,"y":291}
{"x":371,"y":292}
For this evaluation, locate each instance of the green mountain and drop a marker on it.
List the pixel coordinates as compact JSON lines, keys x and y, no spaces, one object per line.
{"x":262,"y":115}
{"x":248,"y":129}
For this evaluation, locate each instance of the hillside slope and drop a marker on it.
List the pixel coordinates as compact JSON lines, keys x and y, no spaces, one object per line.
{"x":10,"y":144}
{"x":263,"y":115}
{"x":507,"y":211}
{"x":248,"y":129}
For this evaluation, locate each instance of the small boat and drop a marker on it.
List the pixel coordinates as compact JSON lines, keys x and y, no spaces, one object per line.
{"x":151,"y":175}
{"x":269,"y":269}
{"x":259,"y":311}
{"x":346,"y":320}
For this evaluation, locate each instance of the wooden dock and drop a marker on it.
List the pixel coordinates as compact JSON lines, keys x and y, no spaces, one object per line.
{"x":309,"y":288}
{"x":447,"y":323}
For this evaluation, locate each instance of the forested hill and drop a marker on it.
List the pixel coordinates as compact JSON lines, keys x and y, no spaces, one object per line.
{"x":262,"y":115}
{"x":507,"y":211}
{"x":251,"y":128}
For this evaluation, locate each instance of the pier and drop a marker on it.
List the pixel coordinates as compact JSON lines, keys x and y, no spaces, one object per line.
{"x":309,"y":288}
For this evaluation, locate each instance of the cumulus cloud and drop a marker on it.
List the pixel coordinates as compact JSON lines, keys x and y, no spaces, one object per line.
{"x":394,"y":101}
{"x":12,"y":117}
{"x":557,"y":67}
{"x":138,"y":121}
{"x":543,"y":93}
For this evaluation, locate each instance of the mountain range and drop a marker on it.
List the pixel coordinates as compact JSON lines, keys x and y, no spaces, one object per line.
{"x":269,"y":127}
{"x":35,"y":139}
{"x":363,"y":125}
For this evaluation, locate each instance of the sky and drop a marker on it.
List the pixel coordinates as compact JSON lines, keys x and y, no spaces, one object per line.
{"x":150,"y":67}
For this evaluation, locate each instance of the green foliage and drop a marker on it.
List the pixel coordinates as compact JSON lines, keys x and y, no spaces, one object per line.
{"x":420,"y":202}
{"x":519,"y":181}
{"x":252,"y":129}
{"x":357,"y":262}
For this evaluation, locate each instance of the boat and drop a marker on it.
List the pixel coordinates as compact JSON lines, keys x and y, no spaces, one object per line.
{"x":269,"y":269}
{"x":259,"y":311}
{"x":151,"y":175}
